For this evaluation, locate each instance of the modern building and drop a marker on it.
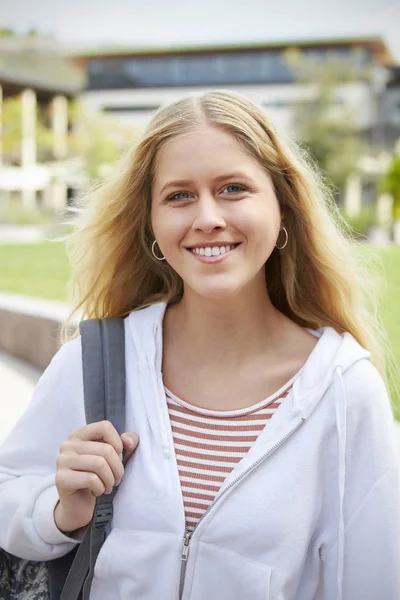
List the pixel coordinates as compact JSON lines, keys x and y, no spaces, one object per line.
{"x":131,"y":84}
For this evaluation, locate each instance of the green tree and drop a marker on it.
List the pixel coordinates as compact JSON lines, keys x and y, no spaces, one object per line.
{"x":12,"y":130}
{"x":7,"y":32}
{"x":98,"y":139}
{"x":325,"y":124}
{"x":390,"y":184}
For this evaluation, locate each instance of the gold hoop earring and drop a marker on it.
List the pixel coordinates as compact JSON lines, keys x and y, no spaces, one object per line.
{"x":286,"y":241}
{"x":154,"y":254}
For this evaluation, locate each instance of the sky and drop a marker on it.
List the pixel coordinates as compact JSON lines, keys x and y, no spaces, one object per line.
{"x":86,"y":23}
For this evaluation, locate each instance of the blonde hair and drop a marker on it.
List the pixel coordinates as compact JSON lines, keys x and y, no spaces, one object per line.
{"x":321,"y":278}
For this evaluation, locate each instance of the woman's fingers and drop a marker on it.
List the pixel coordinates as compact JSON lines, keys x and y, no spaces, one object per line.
{"x":99,"y":449}
{"x":72,"y":481}
{"x":89,"y":463}
{"x":102,"y":430}
{"x":91,"y":458}
{"x":130,"y":442}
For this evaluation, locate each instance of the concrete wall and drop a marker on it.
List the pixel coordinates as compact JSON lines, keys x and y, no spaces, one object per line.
{"x":29,"y":328}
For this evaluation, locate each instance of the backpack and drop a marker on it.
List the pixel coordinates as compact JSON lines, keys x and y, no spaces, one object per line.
{"x":69,"y":577}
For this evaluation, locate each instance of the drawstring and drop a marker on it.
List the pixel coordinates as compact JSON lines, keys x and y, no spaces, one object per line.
{"x":158,"y":388}
{"x":340,"y":407}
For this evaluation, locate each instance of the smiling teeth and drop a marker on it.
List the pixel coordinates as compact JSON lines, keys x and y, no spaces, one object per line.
{"x":214,"y":251}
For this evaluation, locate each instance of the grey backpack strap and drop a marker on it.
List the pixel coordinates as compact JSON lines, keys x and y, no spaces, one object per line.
{"x":104,"y":386}
{"x":104,"y":371}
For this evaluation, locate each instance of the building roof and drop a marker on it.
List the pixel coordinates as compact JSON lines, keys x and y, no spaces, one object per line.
{"x":39,"y":64}
{"x":375,"y":44}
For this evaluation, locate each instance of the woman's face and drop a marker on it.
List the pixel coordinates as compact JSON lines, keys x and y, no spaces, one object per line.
{"x":209,"y":194}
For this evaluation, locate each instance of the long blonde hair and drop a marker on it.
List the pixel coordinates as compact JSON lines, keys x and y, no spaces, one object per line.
{"x":321,"y":278}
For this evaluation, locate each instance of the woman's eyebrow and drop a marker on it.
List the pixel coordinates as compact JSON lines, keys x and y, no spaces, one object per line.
{"x":179,"y":182}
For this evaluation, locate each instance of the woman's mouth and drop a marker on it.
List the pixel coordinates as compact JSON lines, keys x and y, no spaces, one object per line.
{"x":212,"y":254}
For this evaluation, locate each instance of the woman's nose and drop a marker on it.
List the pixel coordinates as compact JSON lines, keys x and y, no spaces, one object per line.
{"x":208,"y":214}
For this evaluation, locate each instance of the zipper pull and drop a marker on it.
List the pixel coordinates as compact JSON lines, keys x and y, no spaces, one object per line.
{"x":185,"y":548}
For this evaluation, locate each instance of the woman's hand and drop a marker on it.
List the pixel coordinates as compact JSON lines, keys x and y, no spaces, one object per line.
{"x":86,"y":468}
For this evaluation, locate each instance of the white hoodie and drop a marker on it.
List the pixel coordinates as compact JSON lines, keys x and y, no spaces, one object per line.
{"x":312,"y":511}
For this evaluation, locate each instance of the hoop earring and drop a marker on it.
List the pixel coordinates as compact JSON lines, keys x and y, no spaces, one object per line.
{"x":286,"y":241}
{"x":152,"y":250}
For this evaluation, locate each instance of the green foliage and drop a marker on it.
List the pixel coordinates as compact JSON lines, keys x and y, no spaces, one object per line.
{"x":361,"y":223}
{"x":12,"y":125}
{"x":100,"y":140}
{"x":7,"y":32}
{"x":102,"y":148}
{"x":326,"y":125}
{"x":12,"y":129}
{"x":390,"y":184}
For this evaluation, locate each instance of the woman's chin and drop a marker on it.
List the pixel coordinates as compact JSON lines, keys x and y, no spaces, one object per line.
{"x":223,"y":291}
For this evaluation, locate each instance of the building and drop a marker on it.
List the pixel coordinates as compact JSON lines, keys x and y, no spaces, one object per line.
{"x":32,"y":69}
{"x":131,"y":84}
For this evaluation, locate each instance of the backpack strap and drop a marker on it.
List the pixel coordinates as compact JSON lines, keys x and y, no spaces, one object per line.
{"x":104,"y":386}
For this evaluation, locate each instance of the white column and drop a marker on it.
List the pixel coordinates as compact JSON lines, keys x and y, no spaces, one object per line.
{"x":353,"y":195}
{"x":48,"y":197}
{"x":384,"y":209}
{"x":60,"y":126}
{"x":28,"y":156}
{"x":4,"y":194}
{"x":59,"y":196}
{"x":28,"y":146}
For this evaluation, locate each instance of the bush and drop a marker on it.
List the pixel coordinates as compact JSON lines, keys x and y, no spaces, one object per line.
{"x":390,"y":184}
{"x":363,"y":222}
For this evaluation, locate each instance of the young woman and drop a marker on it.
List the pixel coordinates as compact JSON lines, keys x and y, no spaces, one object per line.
{"x":264,"y":459}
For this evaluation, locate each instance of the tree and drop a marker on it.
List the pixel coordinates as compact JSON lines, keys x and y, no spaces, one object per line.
{"x":7,"y":32}
{"x":325,"y":125}
{"x":12,"y":130}
{"x":390,"y":184}
{"x":98,"y":139}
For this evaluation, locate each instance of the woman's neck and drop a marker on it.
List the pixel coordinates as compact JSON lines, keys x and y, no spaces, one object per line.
{"x":224,"y":330}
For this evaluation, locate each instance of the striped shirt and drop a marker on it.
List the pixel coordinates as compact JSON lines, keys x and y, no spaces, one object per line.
{"x":209,"y":443}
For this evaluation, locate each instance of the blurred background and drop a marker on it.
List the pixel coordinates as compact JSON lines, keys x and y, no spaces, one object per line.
{"x":79,"y":81}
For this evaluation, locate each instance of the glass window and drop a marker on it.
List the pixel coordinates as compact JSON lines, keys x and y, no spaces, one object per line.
{"x":217,"y":68}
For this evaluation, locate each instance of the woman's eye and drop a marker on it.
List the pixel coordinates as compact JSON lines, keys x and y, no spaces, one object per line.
{"x":178,"y":196}
{"x":239,"y":188}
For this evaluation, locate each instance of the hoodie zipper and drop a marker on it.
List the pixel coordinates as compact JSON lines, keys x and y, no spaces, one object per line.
{"x":188,"y":535}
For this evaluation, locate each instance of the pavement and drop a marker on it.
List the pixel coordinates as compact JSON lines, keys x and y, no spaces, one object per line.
{"x":21,"y":234}
{"x":17,"y":383}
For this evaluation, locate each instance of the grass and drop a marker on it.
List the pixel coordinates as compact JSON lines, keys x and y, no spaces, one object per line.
{"x":391,"y":313}
{"x":42,"y":270}
{"x":39,"y":270}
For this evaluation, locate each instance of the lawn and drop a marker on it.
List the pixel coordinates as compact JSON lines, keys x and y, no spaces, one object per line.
{"x":42,"y":270}
{"x":39,"y":270}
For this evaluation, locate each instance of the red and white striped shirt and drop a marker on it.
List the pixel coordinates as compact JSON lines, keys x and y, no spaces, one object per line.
{"x":209,"y":443}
